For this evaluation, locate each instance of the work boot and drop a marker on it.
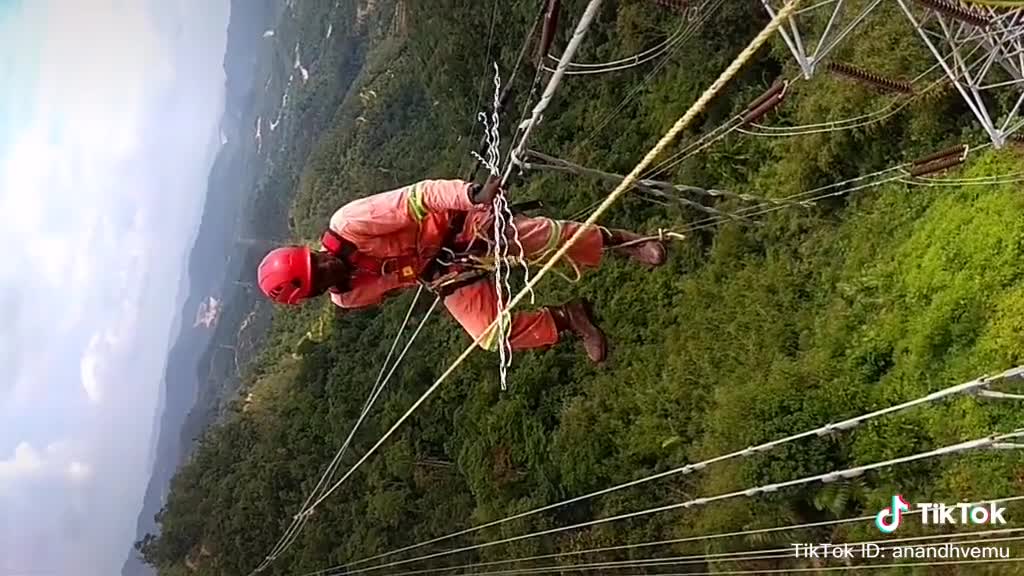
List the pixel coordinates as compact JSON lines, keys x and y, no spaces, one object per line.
{"x":630,"y":244}
{"x":575,"y":317}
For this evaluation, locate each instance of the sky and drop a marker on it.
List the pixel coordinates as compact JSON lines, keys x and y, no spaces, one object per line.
{"x":109,"y":123}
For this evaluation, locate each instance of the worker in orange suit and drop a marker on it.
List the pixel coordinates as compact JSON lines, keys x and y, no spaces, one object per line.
{"x":381,"y":244}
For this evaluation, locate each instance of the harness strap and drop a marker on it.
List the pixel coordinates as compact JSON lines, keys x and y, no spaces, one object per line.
{"x":337,"y":245}
{"x":348,"y":253}
{"x":452,"y":281}
{"x":436,"y":267}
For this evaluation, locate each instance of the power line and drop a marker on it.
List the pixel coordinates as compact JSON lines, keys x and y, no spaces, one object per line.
{"x":631,"y":62}
{"x":627,"y":59}
{"x":698,"y":538}
{"x":843,"y":568}
{"x":869,"y":119}
{"x":487,"y":60}
{"x":979,"y":443}
{"x":751,"y":555}
{"x":843,"y":125}
{"x":765,"y":209}
{"x":299,"y":520}
{"x":510,"y":83}
{"x":327,"y":493}
{"x":735,"y":124}
{"x":965,"y":388}
{"x":545,"y":99}
{"x":708,"y":8}
{"x":981,"y":181}
{"x":817,"y":194}
{"x":611,"y":199}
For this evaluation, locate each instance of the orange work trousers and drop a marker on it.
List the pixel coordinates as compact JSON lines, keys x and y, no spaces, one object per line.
{"x":475,"y":306}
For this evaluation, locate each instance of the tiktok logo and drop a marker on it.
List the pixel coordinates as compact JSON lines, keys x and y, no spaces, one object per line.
{"x":888,"y":520}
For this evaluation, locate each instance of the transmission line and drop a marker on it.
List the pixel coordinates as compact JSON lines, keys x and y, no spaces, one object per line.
{"x":976,"y":444}
{"x":964,"y":388}
{"x":299,"y":520}
{"x":673,"y":541}
{"x":844,"y":568}
{"x":752,"y":555}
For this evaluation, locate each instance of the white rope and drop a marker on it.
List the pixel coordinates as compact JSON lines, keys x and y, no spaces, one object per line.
{"x":487,"y":57}
{"x":965,"y":388}
{"x":502,"y":221}
{"x":699,"y":538}
{"x":394,"y":345}
{"x":299,"y":520}
{"x":828,"y":477}
{"x":750,"y":555}
{"x":556,"y":79}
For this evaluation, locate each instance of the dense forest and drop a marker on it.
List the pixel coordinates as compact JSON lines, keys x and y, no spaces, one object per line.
{"x":753,"y":331}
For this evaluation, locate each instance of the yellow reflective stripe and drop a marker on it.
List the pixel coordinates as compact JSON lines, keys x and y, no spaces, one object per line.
{"x":490,"y":341}
{"x":416,"y":208}
{"x":554,"y":238}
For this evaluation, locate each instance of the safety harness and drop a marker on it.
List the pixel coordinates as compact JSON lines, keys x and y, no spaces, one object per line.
{"x":447,"y":272}
{"x":453,"y":268}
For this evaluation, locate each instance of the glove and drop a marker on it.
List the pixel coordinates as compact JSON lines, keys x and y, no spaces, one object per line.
{"x":486,"y":193}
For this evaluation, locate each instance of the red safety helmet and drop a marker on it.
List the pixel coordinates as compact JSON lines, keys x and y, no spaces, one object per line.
{"x":286,"y":274}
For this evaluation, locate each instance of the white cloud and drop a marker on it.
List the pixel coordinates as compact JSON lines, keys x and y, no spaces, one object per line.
{"x":104,"y":156}
{"x":25,"y":462}
{"x":78,"y":218}
{"x":89,"y":368}
{"x":79,"y":472}
{"x":57,"y":460}
{"x":114,"y":340}
{"x":101,"y":62}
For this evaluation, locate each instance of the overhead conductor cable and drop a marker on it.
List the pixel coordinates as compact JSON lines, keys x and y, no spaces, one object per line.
{"x":556,"y":79}
{"x":700,"y":538}
{"x":1014,"y":374}
{"x":828,"y":477}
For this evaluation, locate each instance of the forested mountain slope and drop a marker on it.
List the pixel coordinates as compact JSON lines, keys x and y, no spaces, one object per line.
{"x":750,"y":333}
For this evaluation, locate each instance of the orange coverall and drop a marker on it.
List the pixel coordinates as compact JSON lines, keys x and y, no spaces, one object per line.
{"x":403,"y":230}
